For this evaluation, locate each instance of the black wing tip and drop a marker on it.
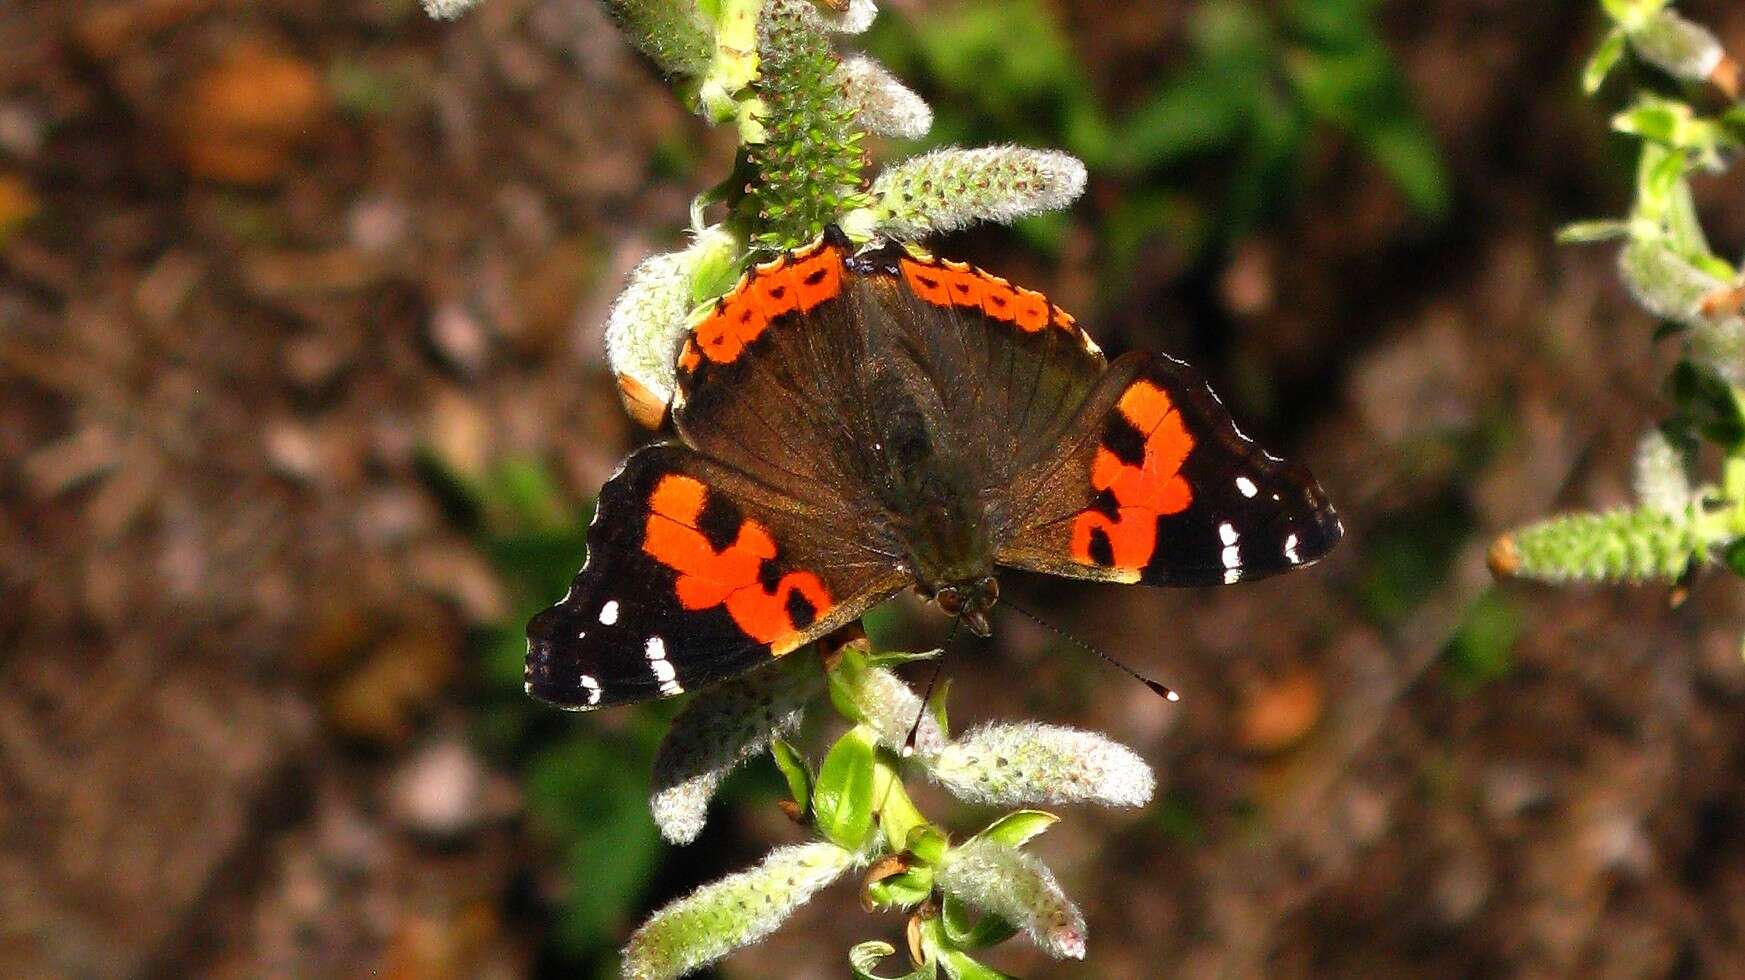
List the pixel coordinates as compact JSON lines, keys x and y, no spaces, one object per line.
{"x":551,"y":674}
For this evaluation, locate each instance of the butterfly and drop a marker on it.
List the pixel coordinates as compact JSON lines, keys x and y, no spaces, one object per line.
{"x":854,"y":423}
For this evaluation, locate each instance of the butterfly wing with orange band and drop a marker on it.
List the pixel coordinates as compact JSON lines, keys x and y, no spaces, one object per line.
{"x":1155,"y":484}
{"x":695,"y":573}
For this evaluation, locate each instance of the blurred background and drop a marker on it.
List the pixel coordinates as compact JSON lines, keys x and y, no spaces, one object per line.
{"x":303,"y":402}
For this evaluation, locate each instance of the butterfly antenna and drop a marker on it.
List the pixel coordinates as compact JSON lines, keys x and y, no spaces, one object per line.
{"x":927,"y":695}
{"x":1160,"y":690}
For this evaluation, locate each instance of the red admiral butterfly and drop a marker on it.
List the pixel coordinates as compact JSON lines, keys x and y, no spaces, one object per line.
{"x":854,"y":424}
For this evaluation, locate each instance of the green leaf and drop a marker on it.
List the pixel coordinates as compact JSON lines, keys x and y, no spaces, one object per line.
{"x":795,"y":770}
{"x":1604,"y":59}
{"x":1707,"y":406}
{"x":966,"y":930}
{"x":1631,"y":13}
{"x":1735,"y":557}
{"x":960,"y":966}
{"x":842,"y":799}
{"x":864,"y":958}
{"x":1482,"y":647}
{"x":1653,"y":121}
{"x":843,"y":681}
{"x":1019,"y":827}
{"x":1659,"y":177}
{"x":1405,"y":150}
{"x":582,"y":792}
{"x":898,"y":815}
{"x":936,"y":705}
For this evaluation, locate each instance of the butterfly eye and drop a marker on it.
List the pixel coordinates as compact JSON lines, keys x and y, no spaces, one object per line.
{"x":989,"y":589}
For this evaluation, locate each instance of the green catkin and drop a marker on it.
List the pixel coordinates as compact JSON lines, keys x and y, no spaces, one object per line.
{"x":672,"y":33}
{"x":1628,"y":545}
{"x":808,"y":167}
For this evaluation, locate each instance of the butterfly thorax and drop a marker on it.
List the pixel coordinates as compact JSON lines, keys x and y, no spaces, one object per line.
{"x":947,"y":521}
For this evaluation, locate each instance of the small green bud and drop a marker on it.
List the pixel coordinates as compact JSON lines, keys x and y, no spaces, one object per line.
{"x":927,"y":844}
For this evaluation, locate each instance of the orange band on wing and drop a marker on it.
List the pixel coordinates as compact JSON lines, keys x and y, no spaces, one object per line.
{"x":951,"y":284}
{"x":790,"y":283}
{"x":1141,"y":492}
{"x":734,"y":576}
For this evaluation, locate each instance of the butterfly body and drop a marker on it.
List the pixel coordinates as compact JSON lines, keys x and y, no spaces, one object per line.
{"x":855,"y":424}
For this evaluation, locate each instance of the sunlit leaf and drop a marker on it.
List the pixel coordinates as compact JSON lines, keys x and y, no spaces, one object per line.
{"x":842,"y":798}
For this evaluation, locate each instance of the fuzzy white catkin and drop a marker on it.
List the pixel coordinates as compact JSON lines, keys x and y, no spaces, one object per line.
{"x":855,"y":20}
{"x":650,"y":317}
{"x":883,"y":104}
{"x":725,"y":726}
{"x":953,"y":188}
{"x":890,"y":708}
{"x":736,"y":911}
{"x":1673,"y":288}
{"x":1660,"y":478}
{"x":648,"y":322}
{"x":1677,"y":46}
{"x":1030,"y":763}
{"x":1666,"y":283}
{"x":1018,"y":888}
{"x":448,"y":9}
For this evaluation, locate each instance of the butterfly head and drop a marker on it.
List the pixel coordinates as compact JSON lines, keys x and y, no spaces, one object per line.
{"x":970,"y":602}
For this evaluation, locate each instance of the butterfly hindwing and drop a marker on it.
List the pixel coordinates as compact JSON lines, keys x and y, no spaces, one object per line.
{"x":1156,"y":484}
{"x":695,"y":573}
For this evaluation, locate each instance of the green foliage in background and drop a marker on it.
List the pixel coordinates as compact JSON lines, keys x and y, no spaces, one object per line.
{"x":585,"y":787}
{"x":1258,"y":85}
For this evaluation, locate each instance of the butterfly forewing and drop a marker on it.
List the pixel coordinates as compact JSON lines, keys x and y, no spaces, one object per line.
{"x":695,"y":573}
{"x":1156,"y":484}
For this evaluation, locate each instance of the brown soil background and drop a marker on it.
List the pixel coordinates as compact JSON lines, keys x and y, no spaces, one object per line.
{"x":235,"y":686}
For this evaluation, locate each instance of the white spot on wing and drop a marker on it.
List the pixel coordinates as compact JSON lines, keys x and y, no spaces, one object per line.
{"x":1232,"y":555}
{"x":655,"y":650}
{"x":1247,"y":486}
{"x":593,"y":688}
{"x":1291,"y":550}
{"x":609,"y":613}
